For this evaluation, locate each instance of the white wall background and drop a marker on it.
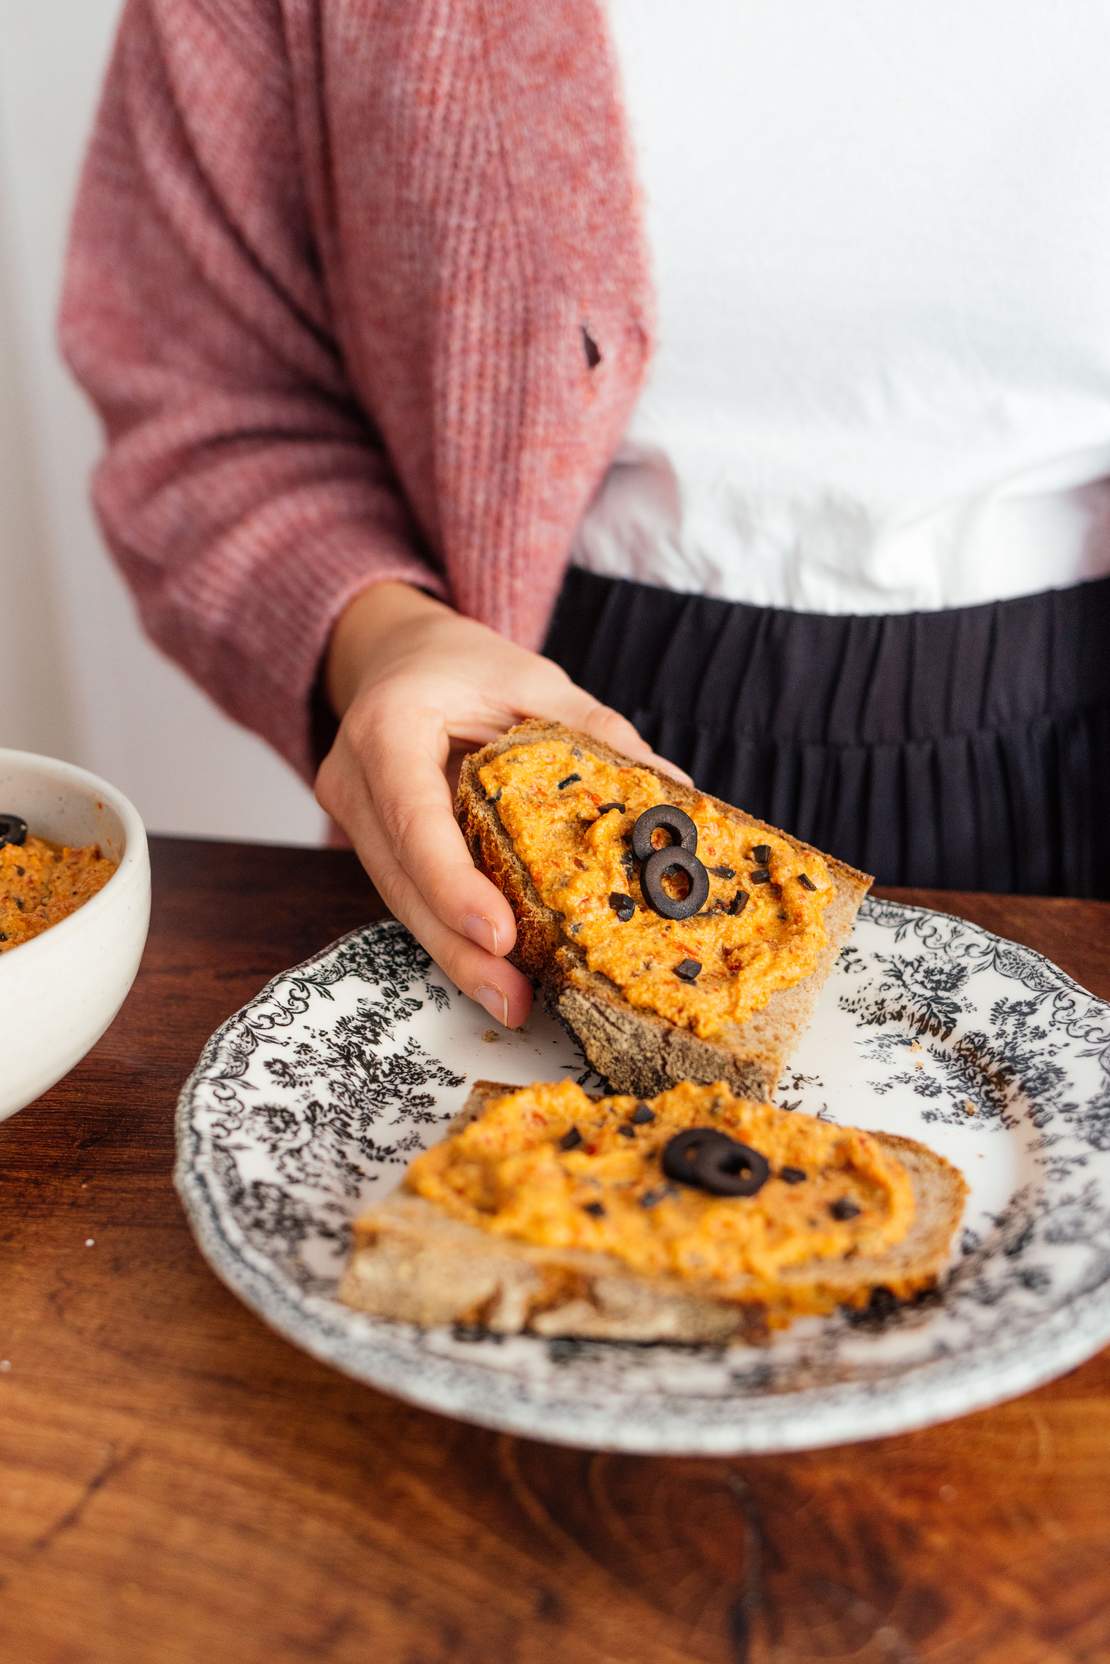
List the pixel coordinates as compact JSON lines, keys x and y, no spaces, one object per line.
{"x":77,"y":680}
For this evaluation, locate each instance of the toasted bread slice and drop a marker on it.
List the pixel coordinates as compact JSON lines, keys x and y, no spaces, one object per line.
{"x":413,"y":1262}
{"x":634,"y":1049}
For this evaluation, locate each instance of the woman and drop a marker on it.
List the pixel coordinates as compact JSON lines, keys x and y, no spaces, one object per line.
{"x":799,"y":461}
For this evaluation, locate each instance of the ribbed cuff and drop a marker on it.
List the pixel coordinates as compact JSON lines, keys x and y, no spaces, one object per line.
{"x":311,"y":610}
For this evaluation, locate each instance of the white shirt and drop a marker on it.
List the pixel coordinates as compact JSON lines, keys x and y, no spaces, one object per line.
{"x":881,"y":246}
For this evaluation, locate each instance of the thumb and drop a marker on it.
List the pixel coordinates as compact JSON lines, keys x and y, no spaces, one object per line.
{"x":576,"y":708}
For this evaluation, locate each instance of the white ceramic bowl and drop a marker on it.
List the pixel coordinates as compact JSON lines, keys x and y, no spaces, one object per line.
{"x":59,"y":991}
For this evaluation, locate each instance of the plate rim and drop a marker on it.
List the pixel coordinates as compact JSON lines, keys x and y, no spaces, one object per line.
{"x":345,"y":1339}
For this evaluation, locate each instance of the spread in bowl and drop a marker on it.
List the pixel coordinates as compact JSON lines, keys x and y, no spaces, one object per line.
{"x":42,"y":882}
{"x":759,"y":924}
{"x":550,"y":1165}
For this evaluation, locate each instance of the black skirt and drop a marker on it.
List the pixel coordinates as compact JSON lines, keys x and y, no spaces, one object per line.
{"x":964,"y":749}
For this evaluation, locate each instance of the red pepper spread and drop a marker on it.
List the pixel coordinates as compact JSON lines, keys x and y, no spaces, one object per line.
{"x":41,"y":883}
{"x":570,"y":817}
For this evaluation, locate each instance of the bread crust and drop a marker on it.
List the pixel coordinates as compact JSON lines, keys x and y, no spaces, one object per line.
{"x":414,"y":1263}
{"x":633,"y":1049}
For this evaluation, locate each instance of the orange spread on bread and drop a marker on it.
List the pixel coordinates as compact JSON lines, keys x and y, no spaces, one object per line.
{"x":579,"y":859}
{"x":550,"y":1165}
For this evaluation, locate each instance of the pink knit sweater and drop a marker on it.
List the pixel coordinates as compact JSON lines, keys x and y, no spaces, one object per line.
{"x":337,"y":275}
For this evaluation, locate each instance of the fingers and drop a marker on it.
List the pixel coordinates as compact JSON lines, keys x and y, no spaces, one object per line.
{"x":562,"y":700}
{"x":411,"y":797}
{"x":384,"y":781}
{"x":483,"y":975}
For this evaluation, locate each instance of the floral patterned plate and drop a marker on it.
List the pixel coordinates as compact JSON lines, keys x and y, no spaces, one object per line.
{"x":308,"y":1103}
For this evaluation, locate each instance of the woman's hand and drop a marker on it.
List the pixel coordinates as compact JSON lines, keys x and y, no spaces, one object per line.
{"x":414,"y":686}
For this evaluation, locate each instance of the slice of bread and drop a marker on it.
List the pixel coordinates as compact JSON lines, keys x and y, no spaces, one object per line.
{"x":634,"y":1049}
{"x":413,"y":1262}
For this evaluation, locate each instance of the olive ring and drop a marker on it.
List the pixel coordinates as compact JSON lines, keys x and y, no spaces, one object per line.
{"x":13,"y":830}
{"x":710,"y":1160}
{"x":731,"y":1168}
{"x":674,"y":859}
{"x":681,"y":1152}
{"x":676,"y":821}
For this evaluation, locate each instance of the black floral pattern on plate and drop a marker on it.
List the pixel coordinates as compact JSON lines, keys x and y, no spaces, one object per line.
{"x":321,"y":1089}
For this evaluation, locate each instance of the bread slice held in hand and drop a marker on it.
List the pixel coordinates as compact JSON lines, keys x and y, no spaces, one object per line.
{"x":552,"y":1220}
{"x":550,"y":815}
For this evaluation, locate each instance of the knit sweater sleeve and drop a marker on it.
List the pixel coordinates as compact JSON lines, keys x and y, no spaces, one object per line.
{"x":244,"y":493}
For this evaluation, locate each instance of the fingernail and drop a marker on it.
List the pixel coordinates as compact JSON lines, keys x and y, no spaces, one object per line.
{"x":483,"y":931}
{"x":493,"y":1001}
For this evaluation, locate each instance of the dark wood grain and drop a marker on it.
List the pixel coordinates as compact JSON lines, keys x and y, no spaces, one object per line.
{"x":179,"y":1484}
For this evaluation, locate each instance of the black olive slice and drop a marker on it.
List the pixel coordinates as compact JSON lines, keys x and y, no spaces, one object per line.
{"x":13,"y":829}
{"x":680,"y":1153}
{"x":674,"y":859}
{"x":711,"y":1161}
{"x":684,"y":834}
{"x":731,"y":1169}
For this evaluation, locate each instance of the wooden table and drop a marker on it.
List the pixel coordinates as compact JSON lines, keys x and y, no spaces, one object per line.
{"x":179,"y":1484}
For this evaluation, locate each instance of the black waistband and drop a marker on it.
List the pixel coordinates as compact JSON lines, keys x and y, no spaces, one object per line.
{"x":811,"y":677}
{"x":956,"y":750}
